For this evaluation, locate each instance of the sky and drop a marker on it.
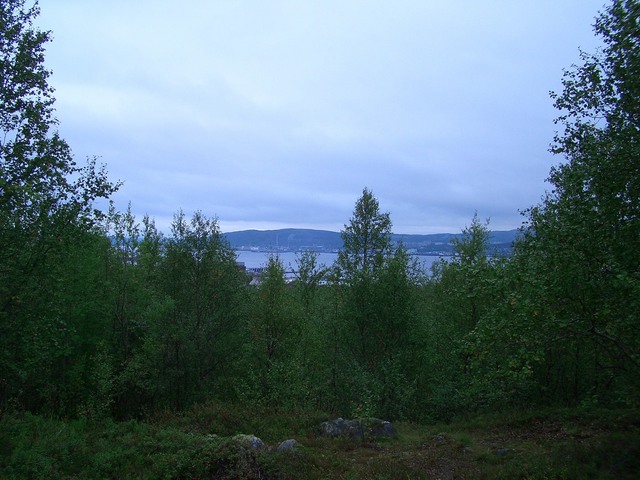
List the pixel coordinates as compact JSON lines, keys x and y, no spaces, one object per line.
{"x":278,"y":113}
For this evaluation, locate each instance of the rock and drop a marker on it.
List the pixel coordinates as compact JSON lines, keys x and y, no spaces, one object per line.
{"x":332,"y":428}
{"x":503,"y":451}
{"x":364,"y":428}
{"x":381,"y":429}
{"x":238,"y":457}
{"x":250,"y":441}
{"x":287,"y":446}
{"x":341,"y":428}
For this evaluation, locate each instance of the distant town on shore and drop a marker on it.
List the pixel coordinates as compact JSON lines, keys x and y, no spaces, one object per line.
{"x":325,"y":241}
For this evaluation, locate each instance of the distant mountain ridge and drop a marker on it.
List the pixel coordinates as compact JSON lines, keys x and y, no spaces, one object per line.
{"x":297,"y":239}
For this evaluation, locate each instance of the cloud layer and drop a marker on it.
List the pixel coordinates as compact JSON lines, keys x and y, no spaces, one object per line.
{"x":278,"y":113}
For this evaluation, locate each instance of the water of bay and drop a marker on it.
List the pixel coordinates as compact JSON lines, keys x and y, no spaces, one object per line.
{"x":259,"y":259}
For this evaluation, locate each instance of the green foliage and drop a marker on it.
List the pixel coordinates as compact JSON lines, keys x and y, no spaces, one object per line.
{"x":460,"y":293}
{"x":104,"y":318}
{"x":199,"y":443}
{"x":38,"y":448}
{"x":310,"y":277}
{"x":46,"y":210}
{"x":366,"y":239}
{"x":580,"y":251}
{"x":376,"y":293}
{"x":557,"y":322}
{"x":193,"y":327}
{"x":282,"y":352}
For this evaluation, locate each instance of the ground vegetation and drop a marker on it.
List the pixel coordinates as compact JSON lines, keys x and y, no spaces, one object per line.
{"x":129,"y":352}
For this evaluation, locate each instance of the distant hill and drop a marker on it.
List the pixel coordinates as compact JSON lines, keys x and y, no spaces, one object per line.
{"x":287,"y":239}
{"x":296,"y":239}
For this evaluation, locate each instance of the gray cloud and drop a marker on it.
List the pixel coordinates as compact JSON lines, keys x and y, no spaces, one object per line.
{"x":278,"y":113}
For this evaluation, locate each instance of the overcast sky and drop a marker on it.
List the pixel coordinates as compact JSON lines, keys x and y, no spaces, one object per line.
{"x":271,"y":114}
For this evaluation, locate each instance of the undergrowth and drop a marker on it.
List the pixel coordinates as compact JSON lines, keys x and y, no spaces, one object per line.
{"x":553,"y":444}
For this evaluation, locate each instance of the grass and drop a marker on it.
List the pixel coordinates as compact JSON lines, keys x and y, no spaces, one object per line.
{"x":558,"y":444}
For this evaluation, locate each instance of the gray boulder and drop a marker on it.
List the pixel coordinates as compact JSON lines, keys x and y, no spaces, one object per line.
{"x":363,"y":428}
{"x":250,"y":441}
{"x":381,"y":429}
{"x":287,"y":446}
{"x":333,"y":428}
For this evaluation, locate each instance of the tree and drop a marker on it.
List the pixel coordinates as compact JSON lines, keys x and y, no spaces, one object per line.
{"x":598,"y":188}
{"x":376,"y":289}
{"x":314,"y":346}
{"x":596,"y":201}
{"x":397,"y":334}
{"x":125,"y":282}
{"x":366,"y":239}
{"x":577,"y":305}
{"x":457,"y":296}
{"x":46,"y":204}
{"x":310,"y":275}
{"x":470,"y":268}
{"x":193,"y":342}
{"x":39,"y":180}
{"x":366,"y":242}
{"x":276,"y":349}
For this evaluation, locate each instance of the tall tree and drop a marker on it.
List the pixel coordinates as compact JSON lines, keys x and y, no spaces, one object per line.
{"x":397,"y":334}
{"x":575,"y":310}
{"x":41,"y":186}
{"x":457,"y":296}
{"x":366,"y":239}
{"x":366,"y":242}
{"x":194,"y":340}
{"x":314,"y":346}
{"x":376,"y":287}
{"x":276,"y":360}
{"x":471,"y":267}
{"x":46,"y":201}
{"x":596,"y":202}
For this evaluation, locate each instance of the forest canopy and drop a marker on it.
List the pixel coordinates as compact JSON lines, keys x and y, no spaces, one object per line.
{"x":103,"y":316}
